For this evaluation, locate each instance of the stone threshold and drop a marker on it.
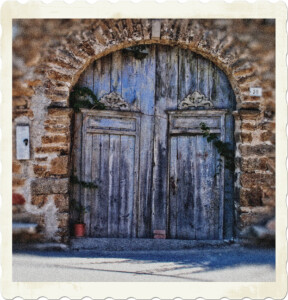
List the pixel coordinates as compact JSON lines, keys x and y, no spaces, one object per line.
{"x":132,"y":244}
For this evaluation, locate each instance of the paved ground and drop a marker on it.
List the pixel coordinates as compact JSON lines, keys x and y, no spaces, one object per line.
{"x":226,"y":263}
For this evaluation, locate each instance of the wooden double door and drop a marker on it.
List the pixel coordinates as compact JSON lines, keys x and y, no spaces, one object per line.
{"x":146,"y":152}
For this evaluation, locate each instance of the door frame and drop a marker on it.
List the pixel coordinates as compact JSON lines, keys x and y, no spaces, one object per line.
{"x":193,"y":128}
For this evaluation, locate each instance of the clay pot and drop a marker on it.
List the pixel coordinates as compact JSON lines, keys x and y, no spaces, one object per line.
{"x":79,"y":230}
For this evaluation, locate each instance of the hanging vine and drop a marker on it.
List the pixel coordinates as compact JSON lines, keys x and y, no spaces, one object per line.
{"x":223,"y":148}
{"x":83,"y":97}
{"x":75,"y":180}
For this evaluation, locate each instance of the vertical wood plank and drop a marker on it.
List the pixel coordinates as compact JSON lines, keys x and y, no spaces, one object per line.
{"x":131,"y":79}
{"x":102,"y":213}
{"x":185,"y":194}
{"x":166,"y":98}
{"x":95,"y":207}
{"x":86,"y":176}
{"x":114,"y":180}
{"x":145,"y":176}
{"x":187,"y":81}
{"x":147,"y":101}
{"x":203,"y":76}
{"x":102,"y":76}
{"x":126,"y":192}
{"x":86,"y":78}
{"x":207,"y":198}
{"x":173,"y":189}
{"x":116,"y":72}
{"x":147,"y":82}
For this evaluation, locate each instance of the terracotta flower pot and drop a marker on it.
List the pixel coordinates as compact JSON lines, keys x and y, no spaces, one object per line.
{"x":79,"y":230}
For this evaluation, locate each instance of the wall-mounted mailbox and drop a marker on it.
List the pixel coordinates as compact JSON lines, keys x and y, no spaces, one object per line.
{"x":22,"y":142}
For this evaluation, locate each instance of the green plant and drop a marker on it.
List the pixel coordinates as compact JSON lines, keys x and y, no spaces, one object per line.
{"x":80,"y":211}
{"x":223,"y":148}
{"x":83,"y":97}
{"x":86,"y":184}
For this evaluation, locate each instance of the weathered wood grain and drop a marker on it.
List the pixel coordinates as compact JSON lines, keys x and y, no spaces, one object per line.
{"x":116,"y":72}
{"x":114,"y":183}
{"x":188,"y":77}
{"x":95,"y":207}
{"x":102,"y":76}
{"x":166,"y":94}
{"x":86,"y":176}
{"x":126,"y":188}
{"x":133,"y":160}
{"x":173,"y":188}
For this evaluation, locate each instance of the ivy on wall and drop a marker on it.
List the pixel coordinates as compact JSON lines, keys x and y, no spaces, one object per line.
{"x":223,"y":148}
{"x":83,"y":97}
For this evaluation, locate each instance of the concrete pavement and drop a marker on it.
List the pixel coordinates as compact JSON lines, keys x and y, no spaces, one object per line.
{"x":225,"y":263}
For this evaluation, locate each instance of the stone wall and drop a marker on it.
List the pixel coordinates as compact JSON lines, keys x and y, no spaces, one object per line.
{"x":50,"y":55}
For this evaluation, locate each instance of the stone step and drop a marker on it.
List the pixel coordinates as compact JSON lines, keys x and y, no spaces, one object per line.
{"x":126,"y":244}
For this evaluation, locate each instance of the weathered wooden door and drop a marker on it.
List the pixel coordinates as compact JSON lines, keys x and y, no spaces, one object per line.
{"x":167,"y":172}
{"x":196,"y":176}
{"x":110,"y":153}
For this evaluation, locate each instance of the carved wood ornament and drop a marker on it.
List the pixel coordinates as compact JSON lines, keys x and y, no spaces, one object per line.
{"x":195,"y":100}
{"x":114,"y":101}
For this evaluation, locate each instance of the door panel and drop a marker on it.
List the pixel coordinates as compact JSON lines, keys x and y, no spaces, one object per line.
{"x":195,"y":179}
{"x":110,"y":161}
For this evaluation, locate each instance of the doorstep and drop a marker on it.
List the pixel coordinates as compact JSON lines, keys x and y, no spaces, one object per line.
{"x":126,"y":244}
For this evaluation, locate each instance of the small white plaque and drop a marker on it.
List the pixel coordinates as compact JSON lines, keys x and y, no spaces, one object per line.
{"x":22,"y":142}
{"x":256,"y":91}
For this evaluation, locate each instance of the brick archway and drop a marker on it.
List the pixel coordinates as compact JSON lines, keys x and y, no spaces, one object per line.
{"x":52,"y":64}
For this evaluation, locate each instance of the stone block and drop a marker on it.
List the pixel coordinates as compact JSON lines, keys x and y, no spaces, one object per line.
{"x":57,"y":129}
{"x":18,"y":182}
{"x":62,"y":202}
{"x":20,"y":91}
{"x":63,"y":150}
{"x":40,"y":171}
{"x":267,"y":136}
{"x":52,"y":74}
{"x":246,"y":137}
{"x":269,"y":126}
{"x":22,"y":113}
{"x":19,"y":102}
{"x":254,"y":164}
{"x":16,"y":167}
{"x":48,"y":186}
{"x":257,"y":216}
{"x":63,"y":220}
{"x":54,"y":139}
{"x":261,"y":150}
{"x":39,"y":200}
{"x":248,"y":126}
{"x":252,"y":180}
{"x":59,"y":165}
{"x":251,"y":197}
{"x":34,"y":83}
{"x":60,"y":112}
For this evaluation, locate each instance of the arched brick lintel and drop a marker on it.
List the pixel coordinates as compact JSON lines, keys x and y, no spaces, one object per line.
{"x":232,"y":67}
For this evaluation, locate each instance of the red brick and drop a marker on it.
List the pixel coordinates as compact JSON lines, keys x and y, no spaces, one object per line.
{"x":18,"y":199}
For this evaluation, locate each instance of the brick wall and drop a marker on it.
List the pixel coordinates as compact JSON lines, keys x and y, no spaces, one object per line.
{"x":50,"y":55}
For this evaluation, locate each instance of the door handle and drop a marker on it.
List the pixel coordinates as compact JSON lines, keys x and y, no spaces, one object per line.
{"x":173,"y":185}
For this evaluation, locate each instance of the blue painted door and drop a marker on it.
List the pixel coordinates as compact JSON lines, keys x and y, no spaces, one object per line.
{"x":153,"y":85}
